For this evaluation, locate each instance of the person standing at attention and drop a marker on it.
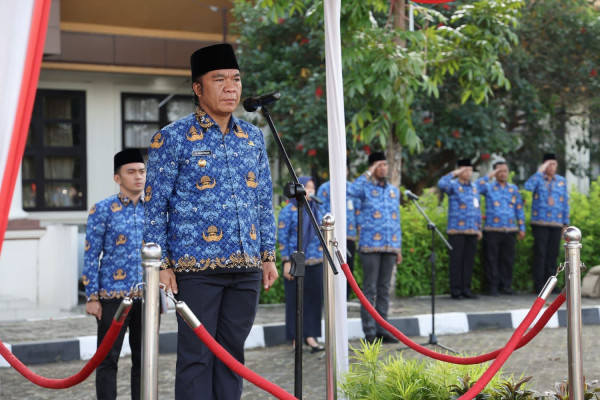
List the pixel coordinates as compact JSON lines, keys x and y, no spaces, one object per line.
{"x":113,"y":266}
{"x":287,"y":234}
{"x":505,"y":220}
{"x":549,"y":217}
{"x":380,"y":240}
{"x":464,"y":227}
{"x":210,"y":207}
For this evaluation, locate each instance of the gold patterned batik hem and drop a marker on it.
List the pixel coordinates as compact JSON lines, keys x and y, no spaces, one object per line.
{"x":268,"y":255}
{"x":119,"y":294}
{"x":235,"y":260}
{"x":464,"y":232}
{"x":382,"y":249}
{"x":547,"y":223}
{"x":503,"y":230}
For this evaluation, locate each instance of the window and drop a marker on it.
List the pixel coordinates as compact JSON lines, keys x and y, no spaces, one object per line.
{"x":54,"y":163}
{"x":142,"y":116}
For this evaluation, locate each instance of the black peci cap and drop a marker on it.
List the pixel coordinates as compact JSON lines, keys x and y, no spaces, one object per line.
{"x":465,"y":162}
{"x":374,"y":157}
{"x":127,"y":156}
{"x":549,"y":156}
{"x":210,"y":58}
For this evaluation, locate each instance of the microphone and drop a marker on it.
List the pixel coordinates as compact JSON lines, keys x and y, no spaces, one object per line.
{"x":251,"y":104}
{"x":315,"y":198}
{"x":411,"y":195}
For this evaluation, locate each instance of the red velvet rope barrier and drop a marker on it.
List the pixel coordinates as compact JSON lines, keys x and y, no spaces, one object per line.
{"x":238,"y":367}
{"x":505,"y":353}
{"x":560,"y":299}
{"x":82,"y":375}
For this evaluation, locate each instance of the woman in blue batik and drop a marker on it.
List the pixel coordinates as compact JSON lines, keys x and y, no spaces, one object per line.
{"x":287,"y":229}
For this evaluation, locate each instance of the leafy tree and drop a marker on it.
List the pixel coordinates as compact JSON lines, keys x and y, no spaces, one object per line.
{"x":385,"y":66}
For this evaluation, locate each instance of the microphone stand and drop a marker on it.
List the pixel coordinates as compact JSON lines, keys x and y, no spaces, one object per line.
{"x":432,"y":258}
{"x":296,"y":190}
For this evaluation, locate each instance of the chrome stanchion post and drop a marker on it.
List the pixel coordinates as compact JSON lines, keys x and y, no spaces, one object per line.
{"x":572,"y":246}
{"x":327,"y":226}
{"x":151,"y":254}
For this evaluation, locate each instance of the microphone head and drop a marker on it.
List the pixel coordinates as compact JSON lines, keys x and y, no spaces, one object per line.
{"x":249,"y":104}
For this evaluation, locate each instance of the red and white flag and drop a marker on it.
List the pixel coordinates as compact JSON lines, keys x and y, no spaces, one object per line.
{"x":23,"y":26}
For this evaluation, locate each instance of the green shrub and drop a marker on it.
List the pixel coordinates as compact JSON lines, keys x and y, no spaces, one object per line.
{"x":374,"y":375}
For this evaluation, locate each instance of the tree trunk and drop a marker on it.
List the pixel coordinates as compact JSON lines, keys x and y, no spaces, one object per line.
{"x":394,"y":149}
{"x":577,"y":151}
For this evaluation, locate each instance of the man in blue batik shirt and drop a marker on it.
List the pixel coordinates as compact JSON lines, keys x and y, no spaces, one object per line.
{"x":209,"y":205}
{"x":324,"y":193}
{"x":377,"y":205}
{"x":504,"y":221}
{"x":113,"y":267}
{"x":549,"y":217}
{"x":464,"y":227}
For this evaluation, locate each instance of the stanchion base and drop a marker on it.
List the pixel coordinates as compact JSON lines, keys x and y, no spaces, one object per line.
{"x":433,"y":342}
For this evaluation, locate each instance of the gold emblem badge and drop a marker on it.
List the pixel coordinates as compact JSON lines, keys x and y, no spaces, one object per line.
{"x":119,"y":275}
{"x":205,"y":183}
{"x":393,"y":194}
{"x":253,"y":234}
{"x":214,"y":234}
{"x":394,"y":215}
{"x":250,"y":143}
{"x":281,"y":224}
{"x":87,"y":245}
{"x":394,"y":238}
{"x":377,"y":236}
{"x":122,"y":239}
{"x":496,"y":203}
{"x":193,"y":134}
{"x":148,"y":195}
{"x":157,"y":141}
{"x":463,"y":206}
{"x":496,"y":220}
{"x":240,"y":133}
{"x":461,"y":223}
{"x":85,"y":280}
{"x":114,"y":207}
{"x":251,"y":180}
{"x":93,"y":209}
{"x":202,"y":163}
{"x":377,"y":214}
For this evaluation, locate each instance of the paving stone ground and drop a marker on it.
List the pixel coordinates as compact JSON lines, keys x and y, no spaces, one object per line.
{"x":545,"y":358}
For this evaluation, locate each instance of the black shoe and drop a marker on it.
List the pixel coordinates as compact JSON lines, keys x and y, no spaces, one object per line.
{"x":456,"y":296}
{"x":470,"y":295}
{"x":387,"y":338}
{"x":314,"y":349}
{"x":370,"y":339}
{"x":507,"y":291}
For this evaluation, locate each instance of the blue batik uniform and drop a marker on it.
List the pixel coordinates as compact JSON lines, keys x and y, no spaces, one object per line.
{"x":549,"y":214}
{"x":504,"y":217}
{"x":324,"y":193}
{"x":464,"y":227}
{"x":209,"y":205}
{"x":113,"y":242}
{"x":503,"y":206}
{"x":550,"y":206}
{"x":464,"y":214}
{"x":377,"y":215}
{"x":209,"y":196}
{"x":287,"y":229}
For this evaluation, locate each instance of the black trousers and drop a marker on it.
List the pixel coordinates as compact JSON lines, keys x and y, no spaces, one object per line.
{"x":106,"y":373}
{"x":312,"y":303}
{"x":462,"y":259}
{"x":499,"y":259}
{"x":226,"y":305}
{"x":546,"y":245}
{"x":351,"y":246}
